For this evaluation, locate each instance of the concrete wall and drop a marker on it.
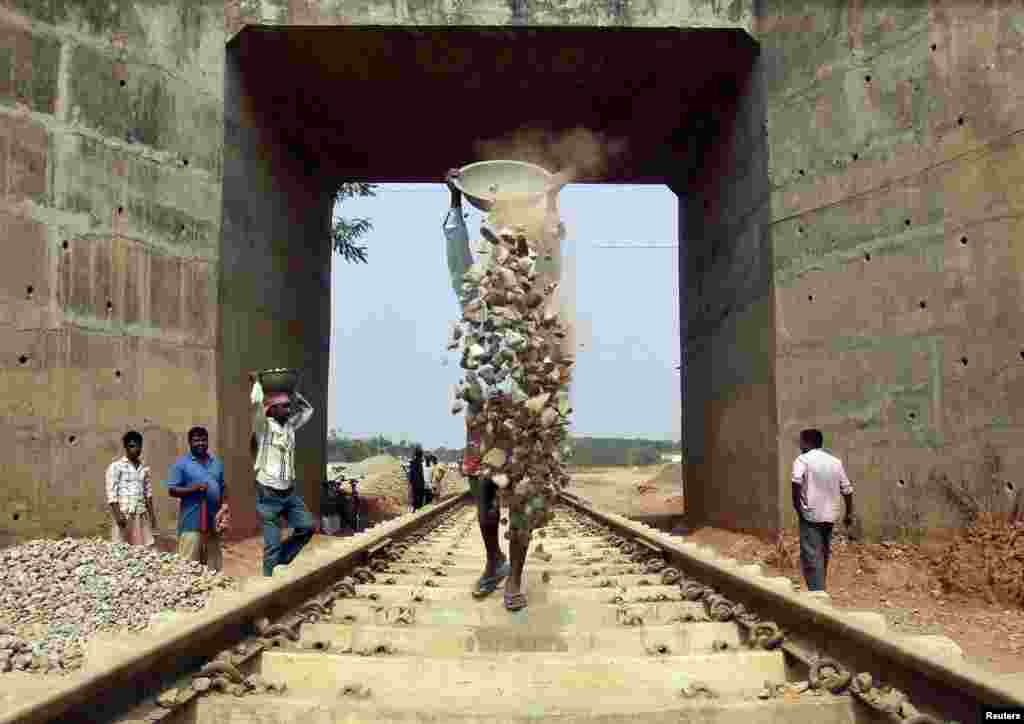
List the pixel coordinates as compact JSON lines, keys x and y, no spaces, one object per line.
{"x":896,"y":169}
{"x":730,"y":411}
{"x":110,"y":177}
{"x":274,"y":288}
{"x":804,"y":276}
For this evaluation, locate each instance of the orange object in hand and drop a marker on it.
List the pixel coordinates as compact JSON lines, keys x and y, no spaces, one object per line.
{"x":202,"y":515}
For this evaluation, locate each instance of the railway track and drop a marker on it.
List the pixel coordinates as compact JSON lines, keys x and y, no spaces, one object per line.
{"x":624,"y":623}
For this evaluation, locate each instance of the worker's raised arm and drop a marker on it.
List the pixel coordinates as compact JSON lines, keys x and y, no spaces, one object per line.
{"x":259,"y":415}
{"x":302,"y":412}
{"x":460,"y":258}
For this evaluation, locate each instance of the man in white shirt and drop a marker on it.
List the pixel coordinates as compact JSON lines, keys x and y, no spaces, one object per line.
{"x":130,"y":495}
{"x":273,"y":442}
{"x":819,"y":481}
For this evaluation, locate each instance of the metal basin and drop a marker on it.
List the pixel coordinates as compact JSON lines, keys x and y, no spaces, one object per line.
{"x":279,"y":380}
{"x":512,"y":181}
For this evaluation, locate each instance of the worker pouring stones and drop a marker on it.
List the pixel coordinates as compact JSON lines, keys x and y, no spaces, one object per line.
{"x":276,"y":418}
{"x":517,"y":369}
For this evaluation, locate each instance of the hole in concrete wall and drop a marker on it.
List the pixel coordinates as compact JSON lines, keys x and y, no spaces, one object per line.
{"x":120,"y":209}
{"x":810,"y":297}
{"x":856,"y":156}
{"x":184,"y":162}
{"x":923,"y":304}
{"x":110,"y":306}
{"x":117,"y":374}
{"x":23,"y":359}
{"x":801,"y":172}
{"x":902,"y":483}
{"x":799,"y":229}
{"x":124,"y":83}
{"x":29,"y":291}
{"x":960,"y":121}
{"x":72,"y":440}
{"x":1022,"y":354}
{"x":16,"y":516}
{"x":963,"y":239}
{"x":906,"y":222}
{"x":912,"y":415}
{"x":963,"y":361}
{"x":64,"y":246}
{"x":867,"y":256}
{"x":934,"y":46}
{"x":1009,"y":486}
{"x":867,"y":79}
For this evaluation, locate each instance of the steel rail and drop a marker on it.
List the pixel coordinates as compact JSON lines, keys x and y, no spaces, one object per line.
{"x":207,"y":634}
{"x":952,"y":690}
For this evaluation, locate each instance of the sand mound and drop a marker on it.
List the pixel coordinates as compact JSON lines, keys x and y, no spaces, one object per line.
{"x":668,"y":476}
{"x":385,"y":478}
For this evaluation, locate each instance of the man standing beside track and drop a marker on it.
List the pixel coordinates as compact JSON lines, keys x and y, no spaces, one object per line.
{"x":819,"y":480}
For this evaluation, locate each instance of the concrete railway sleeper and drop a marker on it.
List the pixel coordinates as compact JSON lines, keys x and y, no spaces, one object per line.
{"x":624,"y":623}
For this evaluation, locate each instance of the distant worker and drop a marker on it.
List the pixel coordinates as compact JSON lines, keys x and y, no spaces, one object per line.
{"x":416,"y":482}
{"x":819,"y":481}
{"x":429,"y":462}
{"x":440,"y":471}
{"x":130,"y":495}
{"x":275,"y":423}
{"x":197,"y":481}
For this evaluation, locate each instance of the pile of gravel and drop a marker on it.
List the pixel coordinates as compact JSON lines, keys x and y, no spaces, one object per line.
{"x":56,"y":594}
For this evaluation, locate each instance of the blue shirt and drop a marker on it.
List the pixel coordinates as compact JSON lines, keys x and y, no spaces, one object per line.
{"x":188,"y":470}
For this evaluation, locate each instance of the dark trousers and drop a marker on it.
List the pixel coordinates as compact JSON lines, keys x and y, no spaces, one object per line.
{"x":418,"y":497}
{"x":428,"y":497}
{"x":815,"y":551}
{"x":272,"y":505}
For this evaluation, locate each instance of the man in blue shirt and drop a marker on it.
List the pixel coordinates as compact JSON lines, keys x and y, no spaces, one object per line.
{"x":197,"y":477}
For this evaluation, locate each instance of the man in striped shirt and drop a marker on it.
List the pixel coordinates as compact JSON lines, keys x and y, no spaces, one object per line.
{"x":130,"y":495}
{"x":275,"y":422}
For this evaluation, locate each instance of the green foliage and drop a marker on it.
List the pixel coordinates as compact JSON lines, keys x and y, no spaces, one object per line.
{"x":345,"y":232}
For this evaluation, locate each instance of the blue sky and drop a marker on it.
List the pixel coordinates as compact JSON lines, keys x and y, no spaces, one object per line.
{"x":390,"y":317}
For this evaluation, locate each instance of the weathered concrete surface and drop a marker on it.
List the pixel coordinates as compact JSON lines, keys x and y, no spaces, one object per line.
{"x":803,"y":277}
{"x":110,"y":138}
{"x":896,"y":168}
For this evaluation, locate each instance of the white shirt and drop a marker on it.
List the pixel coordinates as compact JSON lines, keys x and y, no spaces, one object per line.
{"x":823,"y":482}
{"x":275,"y":461}
{"x":129,"y":486}
{"x":428,"y":480}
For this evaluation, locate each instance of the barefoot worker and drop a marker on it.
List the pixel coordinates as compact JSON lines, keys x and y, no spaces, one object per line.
{"x":273,"y":441}
{"x":495,"y":400}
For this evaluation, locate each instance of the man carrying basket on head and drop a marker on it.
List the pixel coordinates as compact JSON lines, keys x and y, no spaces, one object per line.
{"x":276,"y":418}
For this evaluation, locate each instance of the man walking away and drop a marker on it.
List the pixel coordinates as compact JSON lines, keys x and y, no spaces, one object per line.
{"x":416,"y":481}
{"x":274,"y":427}
{"x":818,"y":482}
{"x":197,"y":480}
{"x":130,"y":495}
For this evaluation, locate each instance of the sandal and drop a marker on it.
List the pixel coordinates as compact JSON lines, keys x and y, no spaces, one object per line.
{"x":489,"y":584}
{"x":515,"y":601}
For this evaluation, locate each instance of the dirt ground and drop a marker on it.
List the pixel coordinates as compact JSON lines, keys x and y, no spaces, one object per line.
{"x":644,"y":490}
{"x":970,"y":588}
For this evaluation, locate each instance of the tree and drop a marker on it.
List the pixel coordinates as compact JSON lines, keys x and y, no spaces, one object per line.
{"x":346,"y":232}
